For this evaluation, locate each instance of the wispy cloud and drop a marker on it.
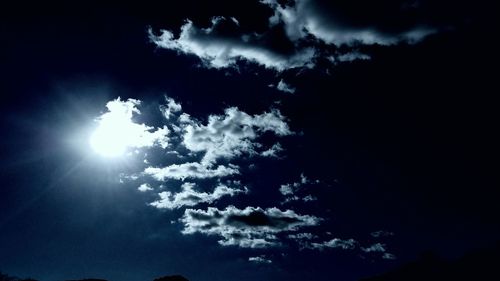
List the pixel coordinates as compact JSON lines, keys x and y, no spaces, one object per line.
{"x":348,"y":244}
{"x":260,"y":259}
{"x":188,"y":196}
{"x":190,"y":170}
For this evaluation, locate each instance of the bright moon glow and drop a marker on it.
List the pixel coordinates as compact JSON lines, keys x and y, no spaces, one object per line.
{"x":117,"y":132}
{"x":112,"y":137}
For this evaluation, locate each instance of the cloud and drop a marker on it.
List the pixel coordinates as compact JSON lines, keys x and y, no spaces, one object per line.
{"x":339,"y":24}
{"x":348,"y":57}
{"x":206,"y":149}
{"x":381,"y":233}
{"x":349,"y":244}
{"x":219,"y":49}
{"x":388,"y":256}
{"x":260,"y":259}
{"x":286,"y":189}
{"x":190,"y":197}
{"x":170,"y":108}
{"x":289,"y":190}
{"x":232,"y":134}
{"x":284,"y":87}
{"x":377,"y":247}
{"x":302,"y":236}
{"x":252,"y":227}
{"x":190,"y":170}
{"x":309,"y":198}
{"x":144,"y":187}
{"x":272,"y":151}
{"x":297,"y":33}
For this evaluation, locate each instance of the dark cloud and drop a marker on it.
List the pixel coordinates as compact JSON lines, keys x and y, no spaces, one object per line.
{"x":252,"y":227}
{"x":297,"y":30}
{"x":220,"y":46}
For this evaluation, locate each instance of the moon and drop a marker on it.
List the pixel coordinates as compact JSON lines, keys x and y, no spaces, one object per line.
{"x":117,"y":133}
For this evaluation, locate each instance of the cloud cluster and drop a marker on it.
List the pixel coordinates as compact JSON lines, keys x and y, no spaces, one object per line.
{"x":205,"y":151}
{"x":224,"y":137}
{"x":218,"y":49}
{"x":290,"y":190}
{"x":190,"y":197}
{"x":302,"y":26}
{"x":336,"y":23}
{"x":232,"y":134}
{"x":252,"y":227}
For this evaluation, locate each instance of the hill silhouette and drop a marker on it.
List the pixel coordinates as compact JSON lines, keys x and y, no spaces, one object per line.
{"x":171,"y":278}
{"x":5,"y":277}
{"x":477,"y":265}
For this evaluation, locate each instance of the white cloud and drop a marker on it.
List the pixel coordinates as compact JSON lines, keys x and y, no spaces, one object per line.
{"x":272,"y":151}
{"x":144,"y":187}
{"x":190,"y":197}
{"x":232,"y":134}
{"x":170,"y":108}
{"x":260,"y":259}
{"x":251,"y":227}
{"x":308,"y":25}
{"x":190,"y":170}
{"x":349,"y":244}
{"x":219,"y":51}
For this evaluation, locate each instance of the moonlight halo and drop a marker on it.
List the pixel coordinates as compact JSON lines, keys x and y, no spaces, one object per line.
{"x":117,"y":132}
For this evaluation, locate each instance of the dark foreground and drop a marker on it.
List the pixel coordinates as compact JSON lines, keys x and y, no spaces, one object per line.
{"x":474,"y":266}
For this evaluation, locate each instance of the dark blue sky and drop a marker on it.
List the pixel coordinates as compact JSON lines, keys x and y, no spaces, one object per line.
{"x":391,"y":121}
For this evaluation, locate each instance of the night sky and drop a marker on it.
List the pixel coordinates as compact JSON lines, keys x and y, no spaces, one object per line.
{"x":245,"y":140}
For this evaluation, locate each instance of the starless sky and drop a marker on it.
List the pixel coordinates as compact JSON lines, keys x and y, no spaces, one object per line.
{"x":245,"y":140}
